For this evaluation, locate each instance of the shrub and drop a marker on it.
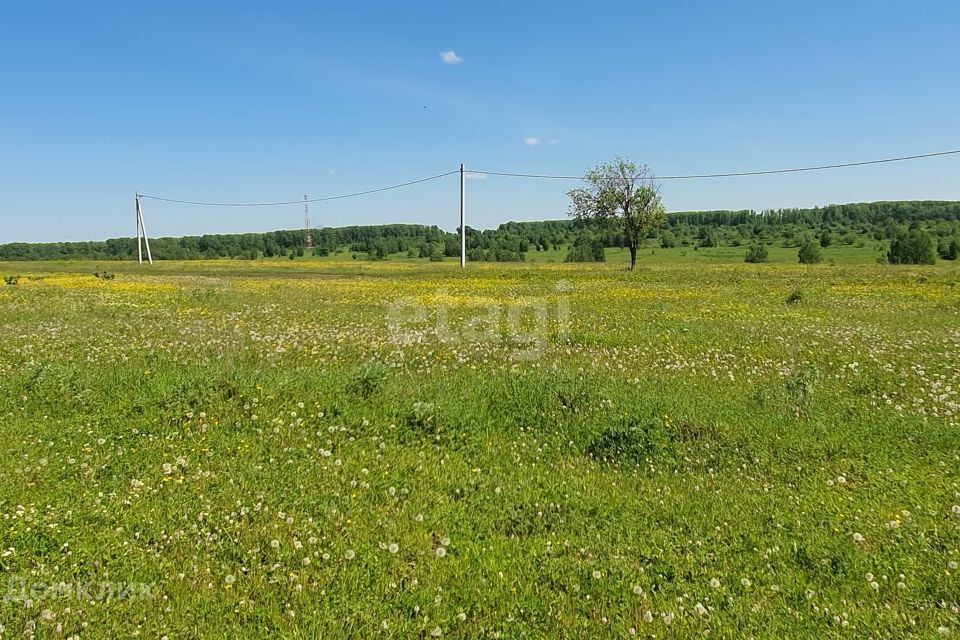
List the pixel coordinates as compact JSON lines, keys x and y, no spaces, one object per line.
{"x":795,"y":296}
{"x":104,"y":275}
{"x":757,"y":253}
{"x":949,"y":250}
{"x":708,"y":240}
{"x":586,"y":248}
{"x":915,"y":247}
{"x":810,"y":253}
{"x":436,"y":252}
{"x":12,"y":280}
{"x":826,"y":239}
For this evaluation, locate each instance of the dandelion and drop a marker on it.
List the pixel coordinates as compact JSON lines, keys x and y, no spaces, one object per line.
{"x":393,"y":548}
{"x":858,"y":538}
{"x":275,"y":544}
{"x":715,"y":583}
{"x":956,"y":509}
{"x":637,"y":590}
{"x":445,"y":541}
{"x":305,"y":561}
{"x":440,"y":552}
{"x":437,"y":632}
{"x":943,"y":631}
{"x":952,"y":565}
{"x":648,"y":616}
{"x":350,"y":554}
{"x":745,"y":582}
{"x":700,"y":609}
{"x":229,"y":579}
{"x":596,"y":575}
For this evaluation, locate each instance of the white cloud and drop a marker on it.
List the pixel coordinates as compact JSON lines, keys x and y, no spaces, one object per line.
{"x":532,"y":142}
{"x":450,"y":57}
{"x":476,"y":176}
{"x":554,"y":142}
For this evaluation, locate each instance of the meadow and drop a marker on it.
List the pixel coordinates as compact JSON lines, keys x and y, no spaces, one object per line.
{"x":336,"y":448}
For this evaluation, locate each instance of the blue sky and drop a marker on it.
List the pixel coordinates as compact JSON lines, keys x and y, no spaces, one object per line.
{"x":268,"y":101}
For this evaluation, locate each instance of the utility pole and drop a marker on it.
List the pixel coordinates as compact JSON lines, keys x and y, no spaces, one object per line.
{"x":139,"y":242}
{"x":307,"y":233}
{"x":142,"y":239}
{"x":463,"y":222}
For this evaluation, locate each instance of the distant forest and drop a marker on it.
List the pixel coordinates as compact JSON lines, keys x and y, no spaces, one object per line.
{"x":934,"y":222}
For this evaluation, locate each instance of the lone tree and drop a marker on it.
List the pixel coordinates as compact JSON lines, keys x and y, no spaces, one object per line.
{"x":622,"y":195}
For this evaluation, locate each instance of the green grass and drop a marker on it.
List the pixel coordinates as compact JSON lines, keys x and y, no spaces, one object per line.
{"x":656,"y":440}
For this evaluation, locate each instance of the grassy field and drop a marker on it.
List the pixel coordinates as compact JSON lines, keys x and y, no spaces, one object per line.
{"x":323,"y":448}
{"x":837,"y":254}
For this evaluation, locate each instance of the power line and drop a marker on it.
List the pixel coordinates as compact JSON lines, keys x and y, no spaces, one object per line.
{"x":277,"y":204}
{"x":734,"y":174}
{"x":550,"y":177}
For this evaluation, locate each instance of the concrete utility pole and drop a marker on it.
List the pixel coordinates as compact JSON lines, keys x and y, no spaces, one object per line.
{"x":463,"y":222}
{"x":142,"y":236}
{"x":307,"y":233}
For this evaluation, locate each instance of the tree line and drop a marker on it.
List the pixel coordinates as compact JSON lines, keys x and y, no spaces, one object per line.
{"x":911,"y":230}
